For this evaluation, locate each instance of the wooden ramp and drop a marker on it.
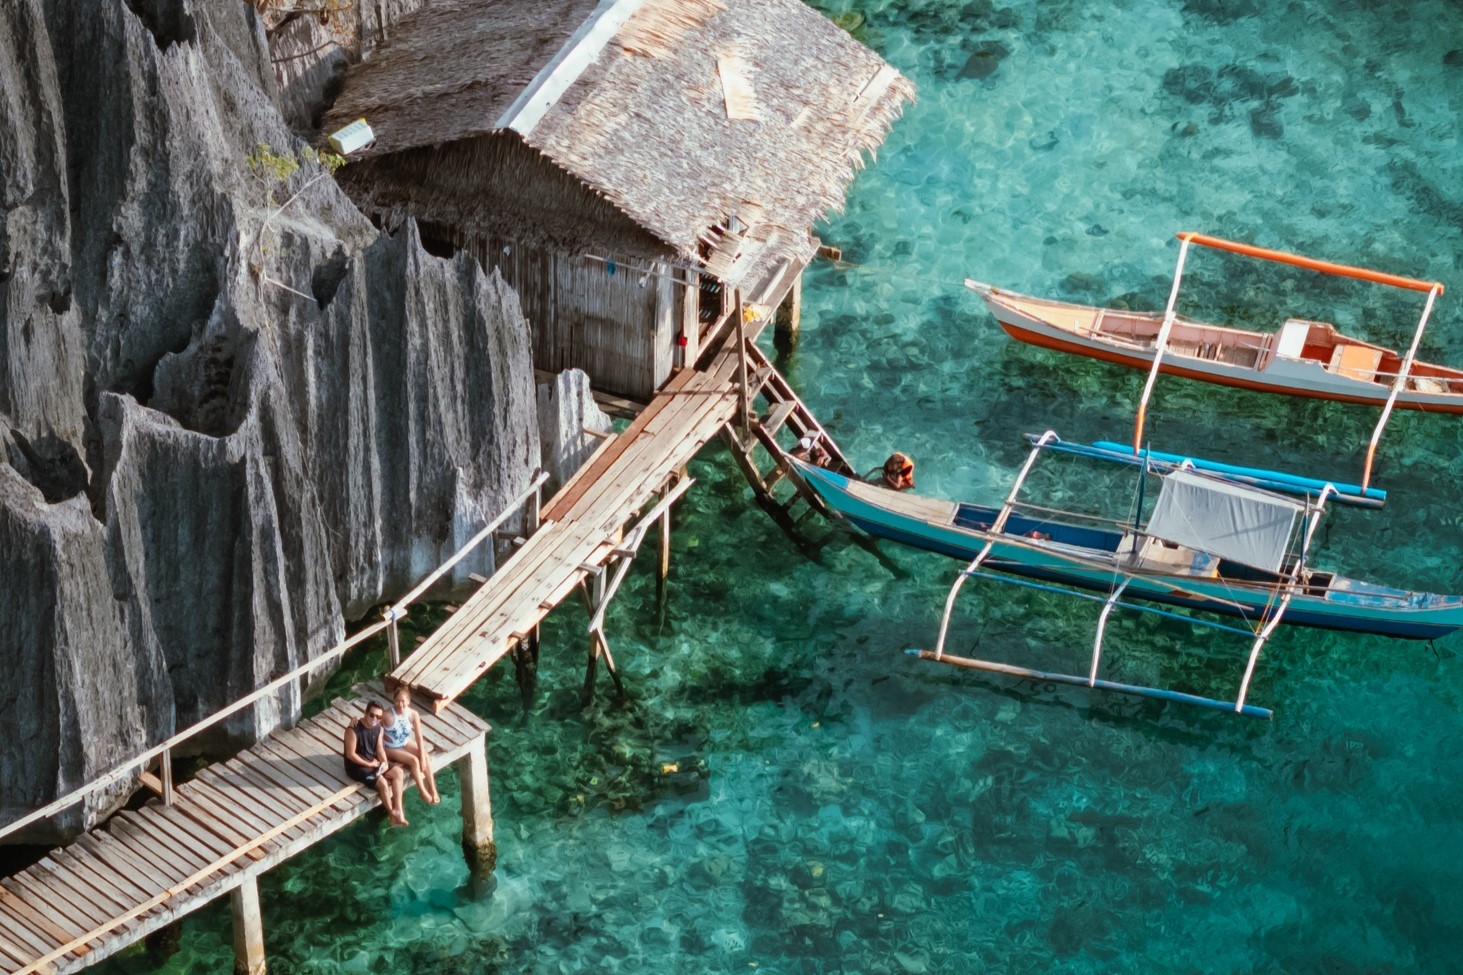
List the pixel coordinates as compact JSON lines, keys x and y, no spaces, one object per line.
{"x":578,"y":534}
{"x":146,"y":868}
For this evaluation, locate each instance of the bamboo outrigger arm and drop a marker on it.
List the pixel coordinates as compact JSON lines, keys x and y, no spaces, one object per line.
{"x":1399,"y":382}
{"x":1107,"y":608}
{"x":997,"y":527}
{"x":1169,"y":314}
{"x":1397,"y":385}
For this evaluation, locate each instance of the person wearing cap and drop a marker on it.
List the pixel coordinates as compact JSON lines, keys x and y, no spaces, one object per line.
{"x":810,"y":450}
{"x":897,"y":474}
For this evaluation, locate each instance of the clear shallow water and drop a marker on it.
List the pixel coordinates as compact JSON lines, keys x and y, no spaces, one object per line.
{"x":840,"y":808}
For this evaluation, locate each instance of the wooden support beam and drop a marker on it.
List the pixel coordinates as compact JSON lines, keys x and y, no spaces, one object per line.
{"x":777,"y":416}
{"x":788,"y":320}
{"x":477,"y":809}
{"x":743,"y":457}
{"x":393,"y":641}
{"x":609,"y":659}
{"x":248,"y":928}
{"x":593,"y":589}
{"x":743,"y":390}
{"x":663,"y":566}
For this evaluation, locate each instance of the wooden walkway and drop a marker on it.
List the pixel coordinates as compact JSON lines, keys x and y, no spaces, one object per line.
{"x":579,"y":532}
{"x":145,"y":869}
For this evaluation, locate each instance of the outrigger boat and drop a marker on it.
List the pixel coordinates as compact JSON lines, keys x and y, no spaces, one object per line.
{"x":1214,"y":542}
{"x":1304,"y":358}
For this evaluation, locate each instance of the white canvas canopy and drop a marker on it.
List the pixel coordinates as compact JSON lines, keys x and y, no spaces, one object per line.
{"x":1229,"y":520}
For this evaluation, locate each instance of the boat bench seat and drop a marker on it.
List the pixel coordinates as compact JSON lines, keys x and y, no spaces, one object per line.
{"x":1355,"y":362}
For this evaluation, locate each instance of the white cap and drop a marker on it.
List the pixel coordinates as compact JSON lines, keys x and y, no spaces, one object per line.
{"x":807,"y":442}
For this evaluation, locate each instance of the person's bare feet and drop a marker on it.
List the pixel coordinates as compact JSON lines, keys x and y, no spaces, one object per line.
{"x":399,"y":821}
{"x":434,"y":798}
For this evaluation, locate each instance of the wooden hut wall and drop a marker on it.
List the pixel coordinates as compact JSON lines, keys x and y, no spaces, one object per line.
{"x":615,"y":321}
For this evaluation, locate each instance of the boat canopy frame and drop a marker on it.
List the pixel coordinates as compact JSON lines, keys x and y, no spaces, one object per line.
{"x":1399,"y":382}
{"x":1311,"y":509}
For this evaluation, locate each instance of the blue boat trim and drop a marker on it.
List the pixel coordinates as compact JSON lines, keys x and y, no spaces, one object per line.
{"x":1347,"y":605}
{"x":1270,"y":480}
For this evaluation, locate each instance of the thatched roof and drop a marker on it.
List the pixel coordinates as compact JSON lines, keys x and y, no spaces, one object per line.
{"x":731,"y":125}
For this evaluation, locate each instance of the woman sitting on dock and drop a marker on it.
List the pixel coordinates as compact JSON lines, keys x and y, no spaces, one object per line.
{"x":406,"y":747}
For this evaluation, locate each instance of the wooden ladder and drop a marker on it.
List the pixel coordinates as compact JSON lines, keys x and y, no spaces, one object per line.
{"x":785,"y":409}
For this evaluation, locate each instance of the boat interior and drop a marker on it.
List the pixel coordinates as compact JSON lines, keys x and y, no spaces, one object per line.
{"x":1297,"y":339}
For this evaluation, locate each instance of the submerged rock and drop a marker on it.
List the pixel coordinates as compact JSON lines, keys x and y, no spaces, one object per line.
{"x":985,"y":58}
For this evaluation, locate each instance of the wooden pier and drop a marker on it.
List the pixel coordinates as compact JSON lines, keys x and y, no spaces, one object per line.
{"x":581,"y":532}
{"x":146,"y":868}
{"x":216,"y":833}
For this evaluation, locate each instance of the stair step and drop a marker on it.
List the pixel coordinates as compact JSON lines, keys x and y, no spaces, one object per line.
{"x":778,"y":416}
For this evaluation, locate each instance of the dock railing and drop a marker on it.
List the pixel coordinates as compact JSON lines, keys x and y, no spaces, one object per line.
{"x":138,"y":765}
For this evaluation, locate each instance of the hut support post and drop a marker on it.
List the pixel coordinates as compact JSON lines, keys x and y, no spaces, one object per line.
{"x":525,"y":667}
{"x":477,"y":809}
{"x":742,"y":385}
{"x":248,"y":928}
{"x":789,"y":320}
{"x":663,"y":566}
{"x":596,"y":599}
{"x":393,"y":640}
{"x":165,"y":769}
{"x":592,"y":590}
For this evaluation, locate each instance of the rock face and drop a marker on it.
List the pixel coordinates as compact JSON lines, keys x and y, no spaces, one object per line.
{"x":228,"y":422}
{"x":566,"y":410}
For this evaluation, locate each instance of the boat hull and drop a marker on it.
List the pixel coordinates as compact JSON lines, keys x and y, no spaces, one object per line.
{"x":1361,"y":612}
{"x":1285,"y":377}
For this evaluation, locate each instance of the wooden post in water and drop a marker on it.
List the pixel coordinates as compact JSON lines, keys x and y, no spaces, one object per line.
{"x":525,"y":667}
{"x":594,"y":594}
{"x":477,"y":809}
{"x":248,"y":928}
{"x":744,"y":391}
{"x":164,"y":943}
{"x":663,"y":564}
{"x":789,"y":320}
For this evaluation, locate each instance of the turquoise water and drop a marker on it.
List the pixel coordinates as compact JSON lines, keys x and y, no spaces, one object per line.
{"x":789,"y":793}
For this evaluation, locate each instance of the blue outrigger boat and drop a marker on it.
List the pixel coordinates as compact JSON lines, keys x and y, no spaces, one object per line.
{"x":1220,"y":539}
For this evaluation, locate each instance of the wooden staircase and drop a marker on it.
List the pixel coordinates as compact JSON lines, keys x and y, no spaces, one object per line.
{"x":780,"y":412}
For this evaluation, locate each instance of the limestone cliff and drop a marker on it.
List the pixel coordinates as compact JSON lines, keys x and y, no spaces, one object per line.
{"x":233,"y":415}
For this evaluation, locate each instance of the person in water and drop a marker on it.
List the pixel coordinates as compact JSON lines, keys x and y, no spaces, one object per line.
{"x":366,"y":761}
{"x":405,"y":745}
{"x":897,"y":473}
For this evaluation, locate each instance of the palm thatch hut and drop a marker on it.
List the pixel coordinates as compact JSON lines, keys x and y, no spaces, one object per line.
{"x":624,"y":163}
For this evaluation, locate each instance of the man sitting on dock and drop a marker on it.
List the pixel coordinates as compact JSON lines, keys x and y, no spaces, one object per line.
{"x":365,"y":761}
{"x":897,"y":474}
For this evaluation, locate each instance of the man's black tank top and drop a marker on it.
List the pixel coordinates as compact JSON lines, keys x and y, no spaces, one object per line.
{"x":366,"y":743}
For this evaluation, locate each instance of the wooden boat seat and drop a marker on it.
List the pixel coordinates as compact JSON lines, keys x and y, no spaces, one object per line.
{"x":1355,"y":361}
{"x":933,"y":510}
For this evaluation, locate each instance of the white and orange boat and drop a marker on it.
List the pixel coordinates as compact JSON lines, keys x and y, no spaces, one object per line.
{"x":1304,"y":358}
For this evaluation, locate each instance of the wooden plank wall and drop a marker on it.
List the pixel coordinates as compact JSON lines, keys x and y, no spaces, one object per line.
{"x":610,"y":323}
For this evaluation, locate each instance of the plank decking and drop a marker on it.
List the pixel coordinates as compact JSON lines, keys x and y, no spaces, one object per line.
{"x":147,"y":867}
{"x":580,"y":528}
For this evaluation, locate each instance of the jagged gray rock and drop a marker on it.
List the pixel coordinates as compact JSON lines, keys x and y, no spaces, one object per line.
{"x":85,"y":696}
{"x":566,"y":409}
{"x":230,"y":422}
